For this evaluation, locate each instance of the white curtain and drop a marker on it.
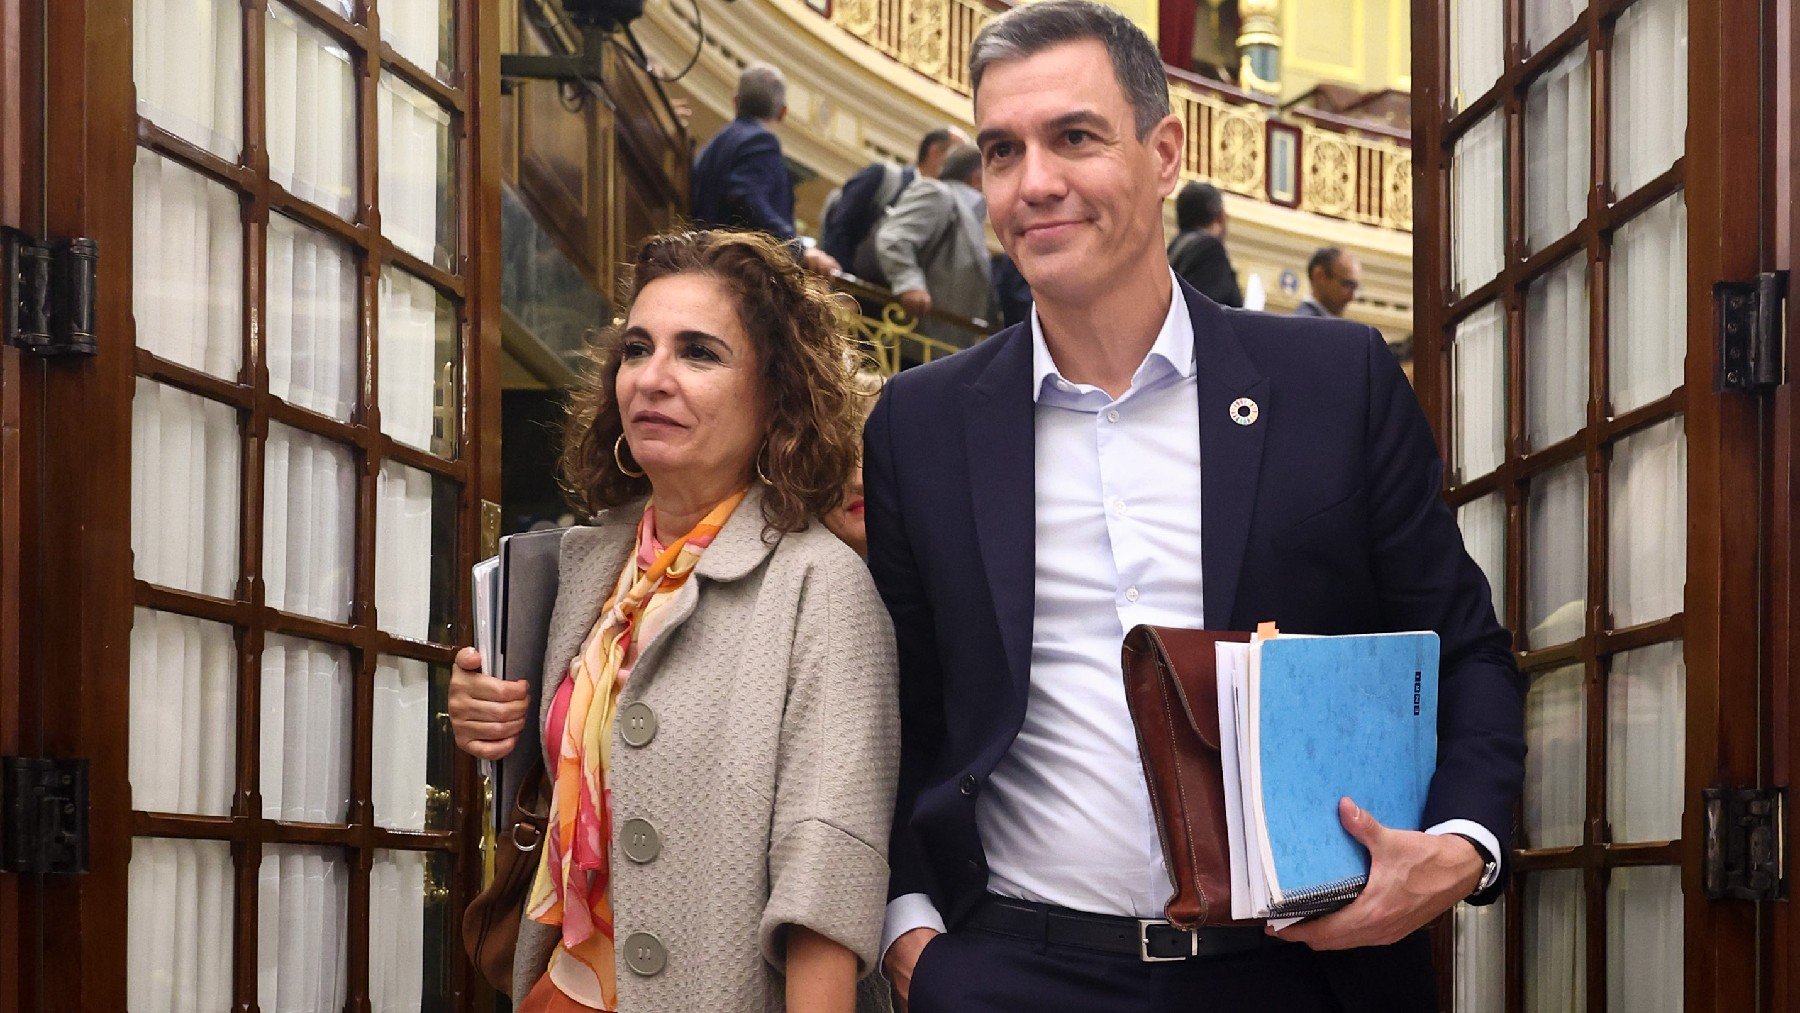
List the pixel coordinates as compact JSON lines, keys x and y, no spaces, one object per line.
{"x":1478,"y":402}
{"x":416,"y":30}
{"x":309,"y":523}
{"x":1647,"y":524}
{"x":1483,"y":524}
{"x":1556,"y":353}
{"x":1477,"y":48}
{"x":1480,"y":934}
{"x":1646,"y":721}
{"x":187,"y":267}
{"x":311,"y":320}
{"x":178,"y":926}
{"x":1556,"y":555}
{"x":403,"y":550}
{"x":187,"y":63}
{"x":185,"y":459}
{"x":183,"y":714}
{"x":1478,"y":205}
{"x":414,"y":167}
{"x":402,"y":737}
{"x":397,"y":968}
{"x":1649,"y":92}
{"x":1644,"y":940}
{"x":416,"y":341}
{"x":1557,"y":137}
{"x":303,"y":920}
{"x":1647,"y":342}
{"x":1555,"y":797}
{"x":305,"y":749}
{"x":1556,"y":943}
{"x":310,"y":104}
{"x":1546,"y":19}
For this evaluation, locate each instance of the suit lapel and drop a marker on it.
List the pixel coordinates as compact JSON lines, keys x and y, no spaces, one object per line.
{"x":1230,"y":454}
{"x":1000,"y":443}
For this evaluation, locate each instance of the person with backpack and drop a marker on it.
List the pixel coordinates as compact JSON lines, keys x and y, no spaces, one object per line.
{"x":853,"y":210}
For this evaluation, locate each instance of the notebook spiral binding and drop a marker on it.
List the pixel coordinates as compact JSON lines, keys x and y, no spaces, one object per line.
{"x":1316,"y":900}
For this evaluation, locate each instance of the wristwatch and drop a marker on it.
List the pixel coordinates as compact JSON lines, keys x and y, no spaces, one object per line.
{"x":1490,"y":866}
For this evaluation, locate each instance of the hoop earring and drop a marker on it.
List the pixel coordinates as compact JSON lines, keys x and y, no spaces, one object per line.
{"x":619,"y":458}
{"x":764,"y":479}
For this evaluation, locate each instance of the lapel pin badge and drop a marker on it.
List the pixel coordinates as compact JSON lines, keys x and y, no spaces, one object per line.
{"x":1244,"y":411}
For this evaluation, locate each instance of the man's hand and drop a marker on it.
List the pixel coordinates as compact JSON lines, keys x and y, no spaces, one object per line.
{"x":1413,"y":878}
{"x":916,"y":301}
{"x":486,"y":714}
{"x":902,"y":957}
{"x":820,"y":262}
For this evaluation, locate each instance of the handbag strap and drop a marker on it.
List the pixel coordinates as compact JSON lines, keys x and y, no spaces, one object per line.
{"x":529,"y":811}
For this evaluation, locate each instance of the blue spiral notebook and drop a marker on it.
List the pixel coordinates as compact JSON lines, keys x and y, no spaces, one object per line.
{"x":1305,"y":721}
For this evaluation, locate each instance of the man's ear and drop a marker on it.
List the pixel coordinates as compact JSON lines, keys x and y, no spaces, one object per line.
{"x":1165,"y":144}
{"x":781,"y":114}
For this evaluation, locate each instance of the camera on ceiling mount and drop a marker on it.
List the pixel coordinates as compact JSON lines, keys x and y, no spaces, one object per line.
{"x":597,"y":20}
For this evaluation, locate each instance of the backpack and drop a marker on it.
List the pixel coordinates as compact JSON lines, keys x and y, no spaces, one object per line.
{"x":863,"y":262}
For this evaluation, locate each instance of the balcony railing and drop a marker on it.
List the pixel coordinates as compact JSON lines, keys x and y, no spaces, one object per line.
{"x":1328,"y":165}
{"x":889,"y":334}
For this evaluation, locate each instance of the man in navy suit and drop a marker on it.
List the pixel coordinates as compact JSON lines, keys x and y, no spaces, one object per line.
{"x":1133,"y":453}
{"x":740,"y":179}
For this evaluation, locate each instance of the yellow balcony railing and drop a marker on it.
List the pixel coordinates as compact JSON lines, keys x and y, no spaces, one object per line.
{"x":889,"y":335}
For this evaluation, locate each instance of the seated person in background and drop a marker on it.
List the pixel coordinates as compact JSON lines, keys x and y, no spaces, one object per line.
{"x":934,"y":251}
{"x":1198,"y":252}
{"x":1334,"y":276}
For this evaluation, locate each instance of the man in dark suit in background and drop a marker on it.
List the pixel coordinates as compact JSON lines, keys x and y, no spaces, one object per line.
{"x":740,"y":179}
{"x":1131,"y":454}
{"x":1198,"y":251}
{"x":1334,"y":277}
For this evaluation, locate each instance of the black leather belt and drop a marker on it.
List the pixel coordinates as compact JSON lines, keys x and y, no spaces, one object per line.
{"x":1148,"y":939}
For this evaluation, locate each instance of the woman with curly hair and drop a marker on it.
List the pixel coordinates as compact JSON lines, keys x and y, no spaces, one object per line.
{"x":718,"y":696}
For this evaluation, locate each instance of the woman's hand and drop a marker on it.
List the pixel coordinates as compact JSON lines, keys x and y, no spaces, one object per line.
{"x":486,"y":713}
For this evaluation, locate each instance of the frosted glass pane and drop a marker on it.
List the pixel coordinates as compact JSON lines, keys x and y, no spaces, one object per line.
{"x":183,"y":714}
{"x":1478,"y":48}
{"x":420,"y":31}
{"x":417,"y":168}
{"x":311,"y":319}
{"x":185,"y":459}
{"x":1557,"y":133}
{"x":309,"y":523}
{"x":306,"y":715}
{"x":311,"y":110}
{"x":1546,"y":19}
{"x":303,"y":920}
{"x":1555,"y":943}
{"x":187,"y":64}
{"x":1480,"y":934}
{"x":418,"y":368}
{"x":1647,"y":528}
{"x":1556,"y":353}
{"x":1646,"y":745}
{"x":1483,"y":524}
{"x":178,"y":926}
{"x":187,"y":267}
{"x":415,"y":531}
{"x":1644,"y":940}
{"x":1649,"y":92}
{"x":1478,"y":403}
{"x":1556,"y":555}
{"x":1648,"y":337}
{"x":1478,"y":205}
{"x":1555,"y":759}
{"x":411,"y":788}
{"x":408,"y":931}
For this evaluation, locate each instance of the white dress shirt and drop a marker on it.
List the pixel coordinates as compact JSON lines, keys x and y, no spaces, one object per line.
{"x":1065,"y":818}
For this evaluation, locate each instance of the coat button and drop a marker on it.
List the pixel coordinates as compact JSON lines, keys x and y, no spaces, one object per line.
{"x":637,"y":725}
{"x":645,"y":954}
{"x":970,"y":785}
{"x":640,"y":841}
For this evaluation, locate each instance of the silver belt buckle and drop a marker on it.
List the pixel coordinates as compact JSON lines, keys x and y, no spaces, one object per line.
{"x":1144,"y":927}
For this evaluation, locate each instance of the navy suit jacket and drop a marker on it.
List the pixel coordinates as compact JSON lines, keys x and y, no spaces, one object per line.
{"x":741,"y":181}
{"x":1325,"y":515}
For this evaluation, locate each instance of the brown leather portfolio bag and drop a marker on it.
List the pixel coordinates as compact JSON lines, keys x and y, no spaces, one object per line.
{"x":490,"y":926}
{"x":1173,"y":695}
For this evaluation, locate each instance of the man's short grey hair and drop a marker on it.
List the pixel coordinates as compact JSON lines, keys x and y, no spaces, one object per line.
{"x":761,"y":92}
{"x":961,"y":164}
{"x":1031,"y":28}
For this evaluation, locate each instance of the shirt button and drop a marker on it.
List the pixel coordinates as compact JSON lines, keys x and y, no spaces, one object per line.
{"x":1131,"y":594}
{"x":1112,"y":415}
{"x":1118,"y":507}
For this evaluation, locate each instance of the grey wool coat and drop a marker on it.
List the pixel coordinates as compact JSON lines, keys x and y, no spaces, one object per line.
{"x":769,"y":780}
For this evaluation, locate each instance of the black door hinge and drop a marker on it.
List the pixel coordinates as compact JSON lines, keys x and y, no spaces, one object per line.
{"x":1745,"y":834}
{"x":48,"y":291}
{"x":43,"y":815}
{"x":1752,"y":328}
